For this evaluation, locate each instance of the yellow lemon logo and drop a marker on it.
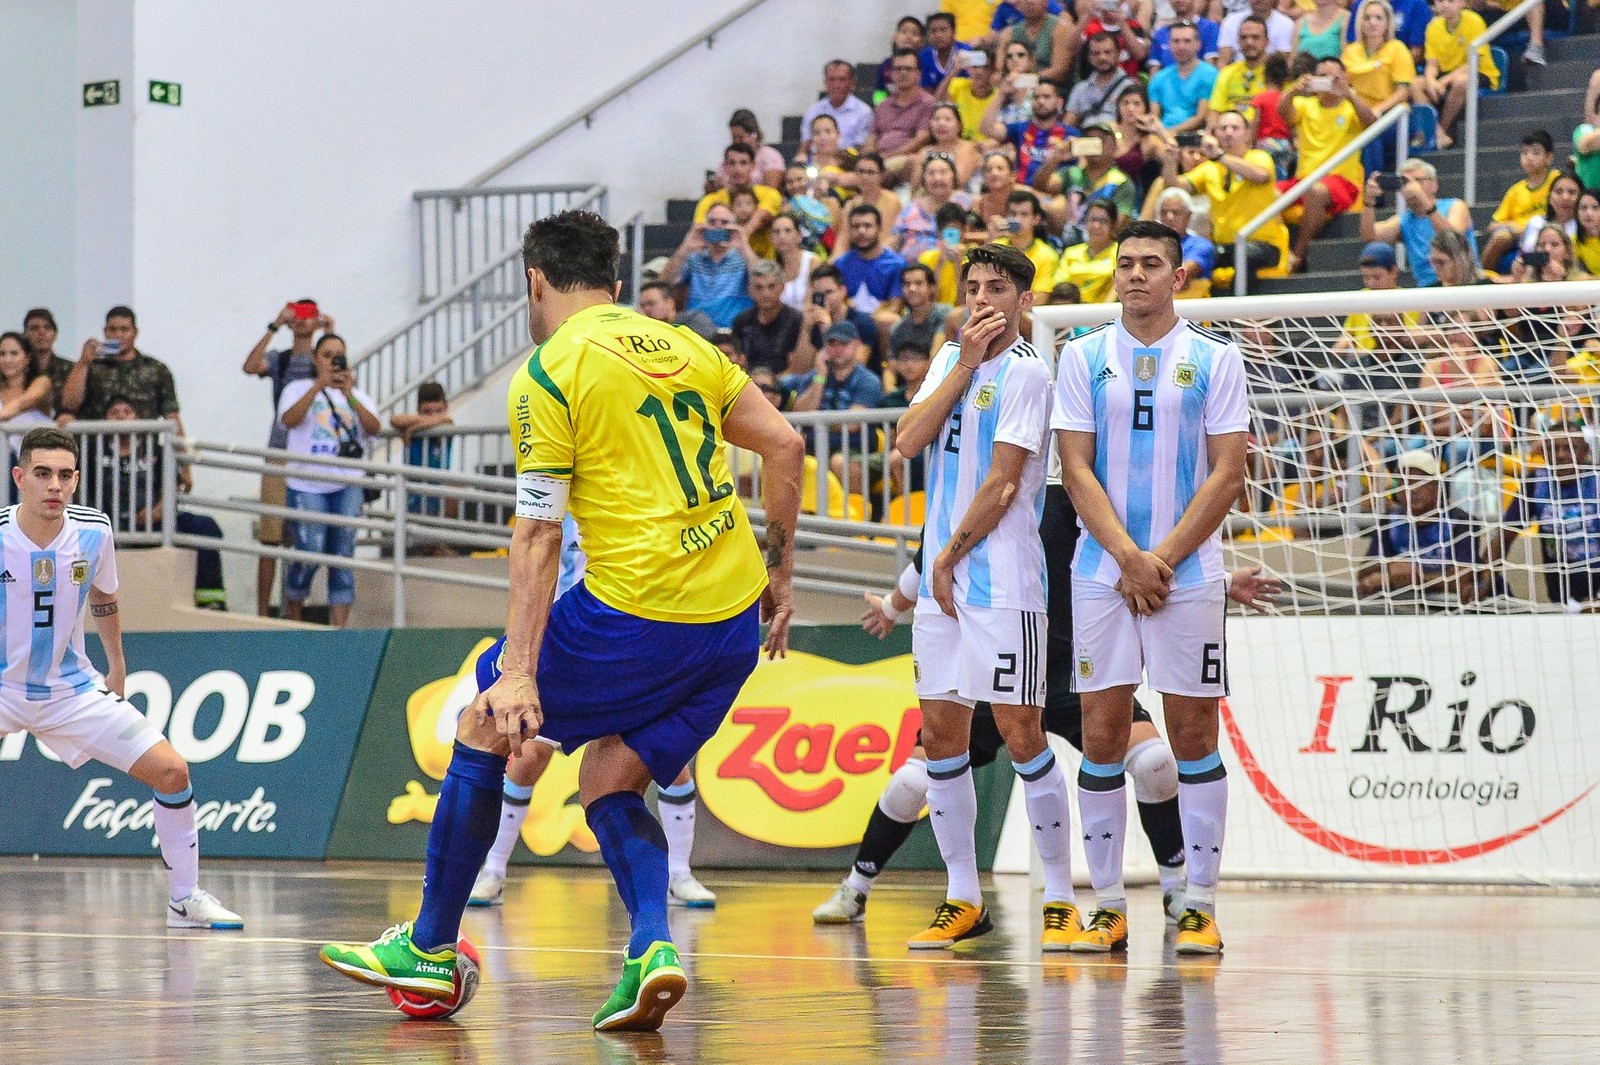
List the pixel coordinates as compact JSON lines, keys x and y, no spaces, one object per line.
{"x":808,"y":748}
{"x":554,"y":817}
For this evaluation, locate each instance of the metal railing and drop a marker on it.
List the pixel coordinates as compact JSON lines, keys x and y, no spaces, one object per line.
{"x":1469,"y":174}
{"x":461,"y":231}
{"x":1398,"y":115}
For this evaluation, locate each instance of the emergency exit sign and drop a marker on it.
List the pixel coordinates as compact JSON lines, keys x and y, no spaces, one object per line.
{"x":102,"y":93}
{"x":166,"y":92}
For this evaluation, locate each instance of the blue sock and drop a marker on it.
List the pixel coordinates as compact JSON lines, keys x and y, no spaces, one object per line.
{"x":464,"y":826}
{"x":635,"y":850}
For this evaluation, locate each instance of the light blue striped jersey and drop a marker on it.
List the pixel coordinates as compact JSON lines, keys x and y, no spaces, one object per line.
{"x":1151,"y":408}
{"x":573,"y":560}
{"x":43,"y":593}
{"x":1006,"y":402}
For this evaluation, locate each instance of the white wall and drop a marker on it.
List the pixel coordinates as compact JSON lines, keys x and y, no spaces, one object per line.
{"x":305,"y":127}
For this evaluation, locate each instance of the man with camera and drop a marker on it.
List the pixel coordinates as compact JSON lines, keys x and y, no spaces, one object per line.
{"x":1325,"y":115}
{"x":713,"y":264}
{"x":1238,"y":180}
{"x":1419,"y":214}
{"x":115,"y":367}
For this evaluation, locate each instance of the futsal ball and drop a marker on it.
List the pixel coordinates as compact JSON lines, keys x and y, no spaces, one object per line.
{"x":422,"y":1008}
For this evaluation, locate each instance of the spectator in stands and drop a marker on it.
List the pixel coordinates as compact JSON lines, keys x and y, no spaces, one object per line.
{"x":1419,"y":215}
{"x":795,"y":263}
{"x":971,"y":85}
{"x":900,"y":122}
{"x":658,"y":300}
{"x":1533,"y":52}
{"x":1280,"y":30}
{"x":1524,"y":199}
{"x":1586,"y":137}
{"x":24,"y":392}
{"x":1090,"y":265}
{"x":1052,"y":39}
{"x":1237,"y":180}
{"x":944,"y":260}
{"x":814,"y":215}
{"x":713,"y":264}
{"x":871,"y":270}
{"x":999,"y":182}
{"x":1182,"y":11}
{"x":909,"y":36}
{"x":325,"y":415}
{"x":1023,"y":228}
{"x":1273,"y":135}
{"x":1031,"y":140}
{"x":304,"y":319}
{"x":123,"y":478}
{"x":910,"y":365}
{"x":939,"y":56}
{"x":1326,"y":115}
{"x":39,"y":326}
{"x":829,"y":174}
{"x":1561,"y":211}
{"x":1454,"y":259}
{"x":1411,"y":18}
{"x":726,"y":343}
{"x":429,"y":453}
{"x":1319,"y":31}
{"x":1017,"y":80}
{"x":768,"y":332}
{"x":917,"y":229}
{"x":1543,"y":339}
{"x":116,"y":367}
{"x":1073,"y":180}
{"x":1118,"y":18}
{"x":1180,"y":93}
{"x":1176,"y":211}
{"x":1095,"y":97}
{"x":1586,"y":241}
{"x":1140,"y":138}
{"x":924,"y":317}
{"x":1444,"y":76}
{"x":852,"y":117}
{"x":869,"y":175}
{"x":1064,"y":294}
{"x":1561,"y":499}
{"x":1420,"y":543}
{"x":1006,"y":15}
{"x":744,"y":206}
{"x":838,"y":381}
{"x":1239,"y":81}
{"x":828,"y":286}
{"x":944,"y":126}
{"x":1381,"y":72}
{"x":743,"y":128}
{"x":739,"y":163}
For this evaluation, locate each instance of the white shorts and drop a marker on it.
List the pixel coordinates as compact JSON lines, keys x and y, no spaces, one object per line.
{"x":983,"y":654}
{"x":95,"y":724}
{"x":1181,"y":649}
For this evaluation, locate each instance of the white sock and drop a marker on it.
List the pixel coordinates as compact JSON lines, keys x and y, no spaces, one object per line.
{"x":1103,"y":806}
{"x":678,"y":807}
{"x":1203,"y":807}
{"x":513,"y":812}
{"x":180,"y":842}
{"x":1044,"y":790}
{"x":953,"y":808}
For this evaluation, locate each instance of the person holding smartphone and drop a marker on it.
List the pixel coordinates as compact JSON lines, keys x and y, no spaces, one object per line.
{"x":1325,"y":114}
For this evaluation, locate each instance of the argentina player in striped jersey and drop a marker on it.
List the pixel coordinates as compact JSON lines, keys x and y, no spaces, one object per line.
{"x":1151,"y":421}
{"x":980,"y":628}
{"x":56,"y":561}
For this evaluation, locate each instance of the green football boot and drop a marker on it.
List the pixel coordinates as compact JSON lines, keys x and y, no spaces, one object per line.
{"x":394,"y":961}
{"x":650,"y":986}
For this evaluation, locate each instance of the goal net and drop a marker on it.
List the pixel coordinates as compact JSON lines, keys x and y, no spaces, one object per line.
{"x":1422,"y":702}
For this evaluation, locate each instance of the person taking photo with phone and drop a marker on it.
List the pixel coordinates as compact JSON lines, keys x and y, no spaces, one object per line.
{"x":114,"y":366}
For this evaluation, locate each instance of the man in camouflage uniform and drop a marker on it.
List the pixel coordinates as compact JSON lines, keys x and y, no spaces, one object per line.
{"x":141,"y":379}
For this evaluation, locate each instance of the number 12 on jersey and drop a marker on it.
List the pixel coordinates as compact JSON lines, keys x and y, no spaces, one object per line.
{"x":683,"y":403}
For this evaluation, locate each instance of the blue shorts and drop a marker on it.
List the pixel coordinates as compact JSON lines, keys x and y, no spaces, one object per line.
{"x":663,"y":686}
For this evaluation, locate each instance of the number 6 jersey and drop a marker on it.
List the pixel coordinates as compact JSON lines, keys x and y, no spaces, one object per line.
{"x":43,"y":592}
{"x":630,"y":410}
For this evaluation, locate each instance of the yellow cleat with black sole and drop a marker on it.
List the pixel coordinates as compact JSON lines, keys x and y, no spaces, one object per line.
{"x":1198,"y":934}
{"x":953,"y":921}
{"x":1107,"y":931}
{"x":1062,"y":925}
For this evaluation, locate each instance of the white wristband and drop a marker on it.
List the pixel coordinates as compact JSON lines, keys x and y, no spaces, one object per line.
{"x":887,"y":606}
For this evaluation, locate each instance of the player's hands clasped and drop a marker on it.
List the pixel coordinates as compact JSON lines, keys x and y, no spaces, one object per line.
{"x":512,"y":703}
{"x":1146,"y":582}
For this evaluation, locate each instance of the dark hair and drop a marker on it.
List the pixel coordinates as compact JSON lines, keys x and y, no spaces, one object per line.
{"x":902,"y":20}
{"x":1542,"y":139}
{"x":918,"y":268}
{"x":870,"y":157}
{"x":814,"y":120}
{"x":747,"y":190}
{"x":1065,"y":292}
{"x":120,"y":311}
{"x":901,"y":53}
{"x":1136,"y":89}
{"x":1275,"y":69}
{"x":46,"y":438}
{"x":951,"y":214}
{"x":40,"y":312}
{"x":1099,"y":35}
{"x":1231,"y":111}
{"x":946,"y":105}
{"x":1145,"y":229}
{"x":29,"y":372}
{"x":825,"y":271}
{"x":122,"y":397}
{"x":325,"y":337}
{"x":574,"y":250}
{"x":1302,"y":63}
{"x":919,"y":350}
{"x":867,"y":208}
{"x":1108,"y":206}
{"x":739,"y":149}
{"x":1336,"y":61}
{"x":1008,"y":260}
{"x":1183,"y":24}
{"x":1024,"y":196}
{"x":661,"y":287}
{"x":1259,"y":21}
{"x":430,"y":392}
{"x":1588,"y":194}
{"x":834,"y":64}
{"x":745,"y":119}
{"x":942,"y":16}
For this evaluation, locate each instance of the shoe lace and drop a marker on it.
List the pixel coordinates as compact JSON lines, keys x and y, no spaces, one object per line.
{"x":1104,"y":921}
{"x":1057,"y":919}
{"x":945,"y":916}
{"x":394,"y":932}
{"x":1193,"y":921}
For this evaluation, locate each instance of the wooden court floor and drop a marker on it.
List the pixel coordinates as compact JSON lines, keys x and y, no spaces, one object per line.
{"x":1311,"y":976}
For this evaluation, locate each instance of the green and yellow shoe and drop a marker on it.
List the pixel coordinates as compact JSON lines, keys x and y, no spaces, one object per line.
{"x":394,"y":961}
{"x":650,"y":986}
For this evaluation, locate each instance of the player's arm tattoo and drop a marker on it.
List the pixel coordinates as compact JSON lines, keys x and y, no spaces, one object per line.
{"x":777,"y":545}
{"x":958,"y":546}
{"x":103,"y":610}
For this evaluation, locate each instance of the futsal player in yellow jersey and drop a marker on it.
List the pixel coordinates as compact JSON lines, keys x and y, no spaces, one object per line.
{"x":620,"y":419}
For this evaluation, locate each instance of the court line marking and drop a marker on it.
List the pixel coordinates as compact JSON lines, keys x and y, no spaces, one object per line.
{"x":1545,"y":976}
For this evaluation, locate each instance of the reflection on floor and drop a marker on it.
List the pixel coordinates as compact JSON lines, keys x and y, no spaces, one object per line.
{"x":1311,"y":976}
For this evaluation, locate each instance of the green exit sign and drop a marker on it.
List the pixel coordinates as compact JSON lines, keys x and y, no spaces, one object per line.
{"x":102,"y":93}
{"x":166,"y":92}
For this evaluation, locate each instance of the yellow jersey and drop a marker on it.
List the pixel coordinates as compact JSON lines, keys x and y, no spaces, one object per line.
{"x":971,"y":107}
{"x":972,"y":17}
{"x":1448,"y":47}
{"x":1522,"y":201}
{"x":1237,"y":84}
{"x":1235,"y":201}
{"x":1587,"y":250}
{"x":946,"y":276}
{"x":1044,"y":260}
{"x":768,"y":199}
{"x":1091,"y":273}
{"x":630,"y":410}
{"x":1322,"y":131}
{"x":1376,"y":77}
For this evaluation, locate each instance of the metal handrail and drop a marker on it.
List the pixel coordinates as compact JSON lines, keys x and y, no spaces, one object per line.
{"x":585,"y":112}
{"x":1397,"y":115}
{"x":1469,"y":175}
{"x":456,"y":228}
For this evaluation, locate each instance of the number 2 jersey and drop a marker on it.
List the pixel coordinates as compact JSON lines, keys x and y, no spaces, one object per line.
{"x":1151,"y":409}
{"x":630,"y":410}
{"x":43,"y":592}
{"x":1006,"y":402}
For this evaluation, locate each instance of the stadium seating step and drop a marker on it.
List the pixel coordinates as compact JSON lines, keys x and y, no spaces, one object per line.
{"x":1322,"y":281}
{"x":790,"y":129}
{"x":680,"y":210}
{"x":1538,"y":108}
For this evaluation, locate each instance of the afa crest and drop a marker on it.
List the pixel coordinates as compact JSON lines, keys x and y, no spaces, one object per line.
{"x":80,"y":571}
{"x":1184,"y":374}
{"x":1085,"y":667}
{"x":985,"y":398}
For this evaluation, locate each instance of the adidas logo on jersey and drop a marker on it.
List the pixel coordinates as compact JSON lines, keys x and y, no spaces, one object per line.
{"x":7,"y":578}
{"x":1106,"y":374}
